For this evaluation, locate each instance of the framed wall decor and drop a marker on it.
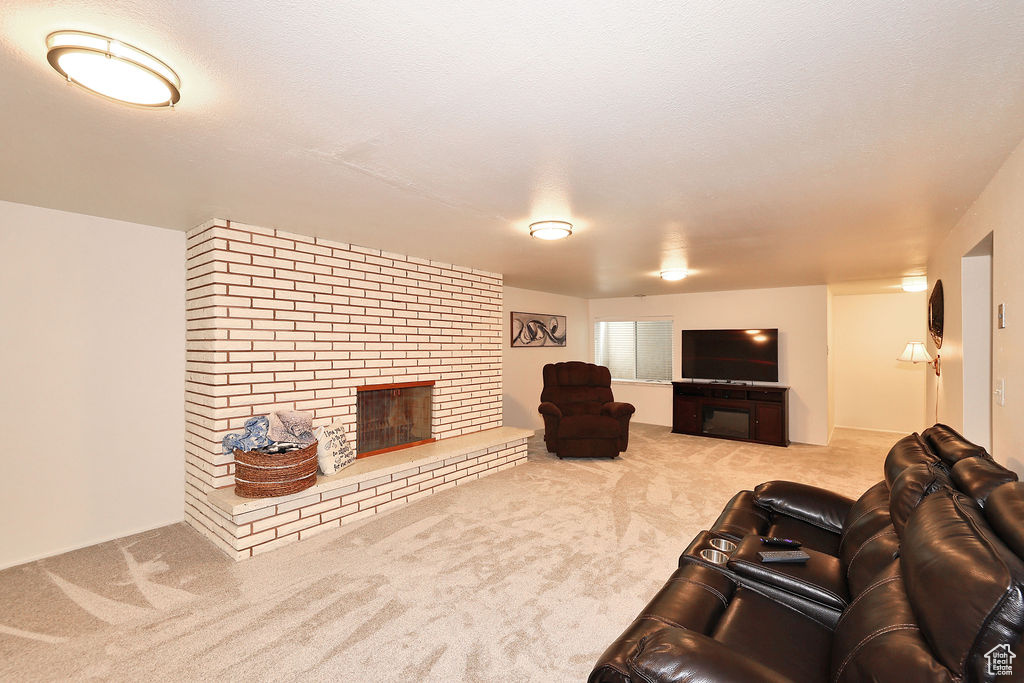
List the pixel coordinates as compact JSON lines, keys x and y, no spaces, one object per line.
{"x":537,"y":329}
{"x":936,"y":314}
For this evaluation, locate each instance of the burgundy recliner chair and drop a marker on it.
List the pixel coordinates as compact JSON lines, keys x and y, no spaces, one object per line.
{"x":581,"y":419}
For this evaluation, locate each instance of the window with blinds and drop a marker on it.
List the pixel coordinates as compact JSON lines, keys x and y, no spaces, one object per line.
{"x":635,"y":349}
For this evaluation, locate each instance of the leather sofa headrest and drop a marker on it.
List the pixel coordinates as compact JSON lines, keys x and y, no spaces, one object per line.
{"x":964,"y":584}
{"x":979,"y":477}
{"x":912,"y":486}
{"x":950,"y":445}
{"x":1004,"y":511}
{"x":910,"y":450}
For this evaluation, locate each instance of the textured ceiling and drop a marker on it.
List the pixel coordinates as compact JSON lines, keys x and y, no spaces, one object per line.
{"x":758,"y":143}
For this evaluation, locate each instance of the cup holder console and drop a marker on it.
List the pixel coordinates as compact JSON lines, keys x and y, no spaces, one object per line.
{"x":709,"y":549}
{"x":714,"y":556}
{"x":723,"y":544}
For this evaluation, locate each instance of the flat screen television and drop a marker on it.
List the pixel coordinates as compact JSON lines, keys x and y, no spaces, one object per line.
{"x":740,"y":355}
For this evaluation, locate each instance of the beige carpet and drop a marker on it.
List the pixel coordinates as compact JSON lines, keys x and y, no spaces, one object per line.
{"x":526,"y":575}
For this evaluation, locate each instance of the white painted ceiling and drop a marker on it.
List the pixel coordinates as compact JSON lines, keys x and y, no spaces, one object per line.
{"x":883,"y":286}
{"x":758,"y":143}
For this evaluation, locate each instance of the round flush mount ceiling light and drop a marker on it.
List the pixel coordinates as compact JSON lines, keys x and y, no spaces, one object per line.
{"x":674,"y":274}
{"x":550,"y":230}
{"x":112,"y":69}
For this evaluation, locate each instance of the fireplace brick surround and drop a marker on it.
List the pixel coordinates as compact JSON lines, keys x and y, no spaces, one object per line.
{"x":279,"y":321}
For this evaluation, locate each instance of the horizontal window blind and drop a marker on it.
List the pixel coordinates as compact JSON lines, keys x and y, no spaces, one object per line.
{"x":635,"y":349}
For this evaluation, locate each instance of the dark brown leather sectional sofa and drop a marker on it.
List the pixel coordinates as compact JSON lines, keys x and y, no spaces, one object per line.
{"x":919,"y":579}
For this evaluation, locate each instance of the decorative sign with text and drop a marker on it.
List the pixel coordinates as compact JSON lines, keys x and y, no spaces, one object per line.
{"x":333,"y":451}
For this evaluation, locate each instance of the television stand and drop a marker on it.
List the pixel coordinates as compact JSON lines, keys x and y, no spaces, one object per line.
{"x":758,"y":414}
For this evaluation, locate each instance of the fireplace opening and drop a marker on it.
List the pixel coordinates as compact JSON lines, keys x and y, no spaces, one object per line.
{"x":392,"y":416}
{"x":724,"y":421}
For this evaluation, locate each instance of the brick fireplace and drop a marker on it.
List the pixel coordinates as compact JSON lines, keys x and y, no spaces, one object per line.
{"x":280,"y":321}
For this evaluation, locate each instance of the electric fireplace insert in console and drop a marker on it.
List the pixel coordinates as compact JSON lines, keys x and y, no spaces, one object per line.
{"x":727,"y":411}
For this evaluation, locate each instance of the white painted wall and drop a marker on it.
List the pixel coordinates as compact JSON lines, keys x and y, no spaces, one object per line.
{"x":830,"y":335}
{"x":93,"y":367}
{"x":800,"y":313}
{"x":872,"y":389}
{"x":976,"y":308}
{"x":999,"y":210}
{"x":521,"y":367}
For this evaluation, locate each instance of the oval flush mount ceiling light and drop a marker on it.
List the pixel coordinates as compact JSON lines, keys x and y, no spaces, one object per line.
{"x":112,"y":69}
{"x":550,"y":230}
{"x":674,"y":274}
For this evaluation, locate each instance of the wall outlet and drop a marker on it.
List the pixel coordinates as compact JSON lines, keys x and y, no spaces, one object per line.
{"x":1001,"y":316}
{"x":1000,"y":392}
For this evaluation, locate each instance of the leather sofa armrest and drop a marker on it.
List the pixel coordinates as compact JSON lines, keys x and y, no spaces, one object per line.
{"x":819,"y":507}
{"x":820,"y":580}
{"x":694,"y":598}
{"x":617,"y":410}
{"x":742,"y":517}
{"x":549,"y":408}
{"x":675,"y":655}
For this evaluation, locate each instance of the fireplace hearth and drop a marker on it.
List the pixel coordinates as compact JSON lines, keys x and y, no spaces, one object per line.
{"x":392,"y":416}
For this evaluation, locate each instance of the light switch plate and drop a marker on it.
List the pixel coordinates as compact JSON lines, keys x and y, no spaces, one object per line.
{"x":1000,"y":392}
{"x":1001,"y":316}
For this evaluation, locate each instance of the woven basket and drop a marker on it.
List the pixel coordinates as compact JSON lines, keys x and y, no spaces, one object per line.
{"x":258,"y":475}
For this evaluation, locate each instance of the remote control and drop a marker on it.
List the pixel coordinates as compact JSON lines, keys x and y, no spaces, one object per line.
{"x":784,"y":556}
{"x":782,"y":542}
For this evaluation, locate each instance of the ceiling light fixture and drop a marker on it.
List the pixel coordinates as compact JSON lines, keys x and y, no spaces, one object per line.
{"x":674,"y":274}
{"x":112,"y":69}
{"x":550,"y":230}
{"x":915,"y":284}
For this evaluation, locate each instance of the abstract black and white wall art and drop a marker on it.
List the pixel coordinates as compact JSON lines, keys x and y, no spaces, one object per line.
{"x":537,"y":329}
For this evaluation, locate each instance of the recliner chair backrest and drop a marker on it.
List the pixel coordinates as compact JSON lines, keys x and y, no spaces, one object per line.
{"x":877,"y":637}
{"x":910,"y":450}
{"x":950,"y":445}
{"x":577,"y":388}
{"x":913,"y":485}
{"x":871,"y":533}
{"x":868,"y":541}
{"x":1005,"y":514}
{"x":953,"y":595}
{"x":965,"y":585}
{"x":978,"y":477}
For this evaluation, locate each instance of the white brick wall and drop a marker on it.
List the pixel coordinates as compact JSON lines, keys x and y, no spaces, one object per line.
{"x":283,"y":321}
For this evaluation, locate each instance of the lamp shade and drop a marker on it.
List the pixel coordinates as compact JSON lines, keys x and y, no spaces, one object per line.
{"x":915,"y":352}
